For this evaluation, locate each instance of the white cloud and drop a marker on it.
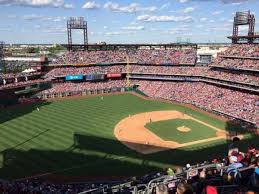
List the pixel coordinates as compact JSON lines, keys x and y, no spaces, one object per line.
{"x":188,"y":10}
{"x":32,"y":17}
{"x":233,"y":2}
{"x":154,"y":29}
{"x":217,"y":12}
{"x":131,"y":8}
{"x":34,"y":3}
{"x":57,"y":20}
{"x":43,"y":18}
{"x":243,"y":29}
{"x":5,"y":29}
{"x":68,"y":6}
{"x":54,"y":19}
{"x":150,"y":18}
{"x":203,"y":19}
{"x":11,"y":16}
{"x":199,"y":26}
{"x":133,"y":28}
{"x":91,"y":5}
{"x":227,"y":25}
{"x":183,"y":1}
{"x":178,"y":30}
{"x":165,"y":6}
{"x":37,"y":26}
{"x":120,"y":33}
{"x":218,"y":28}
{"x":55,"y":30}
{"x":134,"y":23}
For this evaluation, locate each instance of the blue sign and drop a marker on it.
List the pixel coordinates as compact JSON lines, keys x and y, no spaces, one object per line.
{"x":74,"y":77}
{"x":89,"y":77}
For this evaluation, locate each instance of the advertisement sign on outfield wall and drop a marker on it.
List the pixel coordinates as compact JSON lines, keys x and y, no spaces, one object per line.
{"x":94,"y":77}
{"x":113,"y":75}
{"x":74,"y":77}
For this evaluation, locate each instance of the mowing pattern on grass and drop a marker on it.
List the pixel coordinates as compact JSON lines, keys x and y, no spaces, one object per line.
{"x":34,"y":142}
{"x":167,"y":130}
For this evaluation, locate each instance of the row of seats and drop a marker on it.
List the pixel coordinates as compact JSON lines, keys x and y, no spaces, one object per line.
{"x":191,"y":71}
{"x":242,"y":56}
{"x":236,"y":103}
{"x":170,"y":56}
{"x":235,"y":173}
{"x":79,"y":87}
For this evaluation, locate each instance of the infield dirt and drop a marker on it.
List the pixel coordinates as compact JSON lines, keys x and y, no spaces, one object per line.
{"x":131,"y":131}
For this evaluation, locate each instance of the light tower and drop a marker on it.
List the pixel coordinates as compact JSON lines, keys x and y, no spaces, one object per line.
{"x":242,"y":19}
{"x":78,"y":23}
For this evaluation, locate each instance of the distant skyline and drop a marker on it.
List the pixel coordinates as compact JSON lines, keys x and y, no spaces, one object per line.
{"x":122,"y":21}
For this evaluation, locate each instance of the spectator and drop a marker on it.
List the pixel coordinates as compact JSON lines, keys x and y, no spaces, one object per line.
{"x":161,"y":189}
{"x":183,"y":188}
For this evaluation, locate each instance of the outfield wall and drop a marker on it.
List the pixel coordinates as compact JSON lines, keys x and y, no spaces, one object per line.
{"x":83,"y":93}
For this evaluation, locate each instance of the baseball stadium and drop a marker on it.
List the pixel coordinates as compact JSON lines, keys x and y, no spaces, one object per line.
{"x":132,"y":118}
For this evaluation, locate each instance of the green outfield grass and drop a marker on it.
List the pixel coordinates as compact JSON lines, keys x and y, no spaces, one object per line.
{"x":167,"y":130}
{"x":35,"y":142}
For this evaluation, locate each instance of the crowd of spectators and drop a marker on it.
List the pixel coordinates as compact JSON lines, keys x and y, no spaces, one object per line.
{"x":235,"y":103}
{"x":63,"y":71}
{"x":190,"y":71}
{"x":187,"y":56}
{"x":235,"y":172}
{"x":91,"y":57}
{"x":16,"y":75}
{"x":21,"y":83}
{"x":239,"y":57}
{"x":11,"y":80}
{"x":237,"y":63}
{"x":197,"y":71}
{"x":242,"y":50}
{"x":144,"y":56}
{"x":16,"y":66}
{"x":40,"y":186}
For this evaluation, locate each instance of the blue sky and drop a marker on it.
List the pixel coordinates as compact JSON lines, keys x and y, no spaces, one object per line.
{"x":122,"y":21}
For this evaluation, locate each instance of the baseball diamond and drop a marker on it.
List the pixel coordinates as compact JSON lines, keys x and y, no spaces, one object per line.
{"x":34,"y":146}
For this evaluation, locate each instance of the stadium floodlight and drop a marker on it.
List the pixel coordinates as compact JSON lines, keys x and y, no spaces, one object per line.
{"x":240,"y":19}
{"x":76,"y":23}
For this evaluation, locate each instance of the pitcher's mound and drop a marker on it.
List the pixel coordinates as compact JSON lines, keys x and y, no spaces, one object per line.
{"x":183,"y":129}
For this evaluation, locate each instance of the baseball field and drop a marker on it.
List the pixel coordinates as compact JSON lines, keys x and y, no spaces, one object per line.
{"x":106,"y":137}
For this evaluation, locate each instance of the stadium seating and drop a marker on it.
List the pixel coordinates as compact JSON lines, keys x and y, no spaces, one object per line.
{"x":191,"y":71}
{"x":244,"y":56}
{"x":235,"y":103}
{"x":242,"y":50}
{"x":144,"y":56}
{"x":237,"y":173}
{"x":78,"y":87}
